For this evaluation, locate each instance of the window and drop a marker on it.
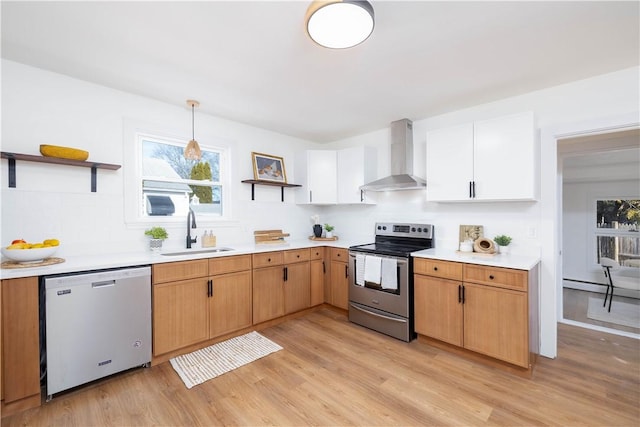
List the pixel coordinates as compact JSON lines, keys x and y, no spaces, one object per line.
{"x":168,"y":185}
{"x":617,"y":226}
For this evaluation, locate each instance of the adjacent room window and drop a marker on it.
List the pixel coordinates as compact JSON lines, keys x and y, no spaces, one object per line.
{"x":169,"y":184}
{"x":617,"y":231}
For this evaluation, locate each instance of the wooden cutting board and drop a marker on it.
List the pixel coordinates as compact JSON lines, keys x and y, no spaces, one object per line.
{"x":269,"y":236}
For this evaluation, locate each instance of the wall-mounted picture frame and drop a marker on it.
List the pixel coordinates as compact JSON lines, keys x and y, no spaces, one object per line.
{"x":268,"y":168}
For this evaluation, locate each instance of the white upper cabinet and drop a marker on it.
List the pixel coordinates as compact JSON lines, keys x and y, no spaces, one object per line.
{"x":317,"y":171}
{"x":335,"y":176}
{"x":356,"y":166}
{"x":487,"y":160}
{"x":450,"y":163}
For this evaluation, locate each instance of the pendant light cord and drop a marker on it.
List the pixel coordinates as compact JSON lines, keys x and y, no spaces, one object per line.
{"x":193,"y":132}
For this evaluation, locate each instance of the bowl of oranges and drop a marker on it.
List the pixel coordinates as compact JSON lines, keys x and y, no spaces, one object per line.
{"x":22,"y":251}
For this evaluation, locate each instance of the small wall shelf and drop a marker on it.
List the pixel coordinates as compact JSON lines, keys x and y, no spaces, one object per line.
{"x":282,"y":185}
{"x":12,"y":157}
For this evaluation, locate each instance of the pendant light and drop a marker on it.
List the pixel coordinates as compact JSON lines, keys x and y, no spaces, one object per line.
{"x":192,"y":150}
{"x":340,"y":24}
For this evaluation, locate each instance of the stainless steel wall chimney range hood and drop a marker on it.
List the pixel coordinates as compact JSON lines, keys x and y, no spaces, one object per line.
{"x":401,"y":177}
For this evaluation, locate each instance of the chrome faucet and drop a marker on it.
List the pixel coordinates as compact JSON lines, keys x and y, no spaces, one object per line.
{"x":191,"y":224}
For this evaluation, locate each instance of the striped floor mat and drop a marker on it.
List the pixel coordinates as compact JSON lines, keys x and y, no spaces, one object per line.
{"x":210,"y":362}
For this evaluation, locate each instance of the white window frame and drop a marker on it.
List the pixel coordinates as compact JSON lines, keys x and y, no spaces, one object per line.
{"x":608,"y":232}
{"x":134,"y":133}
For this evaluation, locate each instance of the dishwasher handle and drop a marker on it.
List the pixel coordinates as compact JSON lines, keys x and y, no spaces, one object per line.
{"x":103,"y":284}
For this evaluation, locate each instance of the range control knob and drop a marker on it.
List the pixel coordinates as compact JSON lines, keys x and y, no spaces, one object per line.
{"x":419,"y":230}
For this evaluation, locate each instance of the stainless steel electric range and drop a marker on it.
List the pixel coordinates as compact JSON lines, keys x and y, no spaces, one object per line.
{"x":381,"y":282}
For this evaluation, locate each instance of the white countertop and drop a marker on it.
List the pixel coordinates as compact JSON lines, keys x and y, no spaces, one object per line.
{"x":518,"y":262}
{"x":81,"y":263}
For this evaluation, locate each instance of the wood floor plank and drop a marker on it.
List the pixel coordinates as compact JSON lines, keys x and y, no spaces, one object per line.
{"x":335,"y":373}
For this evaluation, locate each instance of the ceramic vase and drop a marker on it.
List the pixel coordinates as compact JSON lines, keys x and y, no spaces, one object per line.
{"x":503,"y":249}
{"x":155,"y":245}
{"x":329,"y":234}
{"x":317,"y":230}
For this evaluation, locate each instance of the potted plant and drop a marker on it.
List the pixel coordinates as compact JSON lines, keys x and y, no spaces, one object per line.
{"x":157,"y":235}
{"x":329,"y":231}
{"x":502,"y":241}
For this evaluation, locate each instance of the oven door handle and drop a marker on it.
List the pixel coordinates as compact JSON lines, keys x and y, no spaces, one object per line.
{"x":378,"y":315}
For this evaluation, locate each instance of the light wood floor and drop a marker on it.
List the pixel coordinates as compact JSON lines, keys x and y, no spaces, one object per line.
{"x":332,"y":372}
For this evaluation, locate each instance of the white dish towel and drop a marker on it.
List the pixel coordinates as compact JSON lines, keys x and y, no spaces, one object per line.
{"x":389,"y":276}
{"x":372,"y":268}
{"x":360,"y":269}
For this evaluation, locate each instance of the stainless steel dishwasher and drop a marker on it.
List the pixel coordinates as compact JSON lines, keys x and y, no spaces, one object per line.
{"x":97,"y":323}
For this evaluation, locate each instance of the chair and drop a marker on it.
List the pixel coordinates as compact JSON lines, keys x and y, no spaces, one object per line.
{"x":624,"y":282}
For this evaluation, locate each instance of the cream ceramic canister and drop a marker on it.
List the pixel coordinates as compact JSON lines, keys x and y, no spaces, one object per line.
{"x":466,"y":246}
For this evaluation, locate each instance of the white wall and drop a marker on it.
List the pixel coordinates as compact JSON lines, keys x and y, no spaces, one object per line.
{"x":41,"y":107}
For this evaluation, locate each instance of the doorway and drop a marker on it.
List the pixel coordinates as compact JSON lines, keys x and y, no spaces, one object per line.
{"x":598,"y":170}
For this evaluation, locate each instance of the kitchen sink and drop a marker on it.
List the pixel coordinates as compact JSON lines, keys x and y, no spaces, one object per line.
{"x":198,"y":251}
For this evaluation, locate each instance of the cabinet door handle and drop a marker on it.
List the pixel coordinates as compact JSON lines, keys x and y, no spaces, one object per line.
{"x":470,"y":191}
{"x":310,"y":196}
{"x":459,"y":294}
{"x":324,"y":268}
{"x":435,"y":268}
{"x":210,"y":288}
{"x":362,"y":195}
{"x":473,"y":186}
{"x":464,"y":296}
{"x":346,"y":271}
{"x":491,"y":276}
{"x":286,"y":271}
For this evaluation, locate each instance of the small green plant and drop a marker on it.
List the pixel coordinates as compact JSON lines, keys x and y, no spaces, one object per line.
{"x":329,"y":227}
{"x":502,"y":240}
{"x":156,"y":233}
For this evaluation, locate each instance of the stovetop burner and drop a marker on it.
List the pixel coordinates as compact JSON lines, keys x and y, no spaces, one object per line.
{"x":395,"y":239}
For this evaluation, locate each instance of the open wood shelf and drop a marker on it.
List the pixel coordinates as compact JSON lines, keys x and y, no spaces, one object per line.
{"x":94,"y":166}
{"x":282,"y":186}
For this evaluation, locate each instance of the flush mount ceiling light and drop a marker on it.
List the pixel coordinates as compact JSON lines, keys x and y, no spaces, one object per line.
{"x":192,"y":150}
{"x":339,"y":24}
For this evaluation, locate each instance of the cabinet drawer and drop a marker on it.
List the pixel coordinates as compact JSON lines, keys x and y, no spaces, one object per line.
{"x":496,"y":276}
{"x":436,"y":268}
{"x":317,"y":253}
{"x":296,"y":255}
{"x":266,"y":259}
{"x":229,"y":264}
{"x":181,"y":270}
{"x":338,"y":254}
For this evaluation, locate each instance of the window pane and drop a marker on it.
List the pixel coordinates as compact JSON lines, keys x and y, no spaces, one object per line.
{"x":168,"y":180}
{"x":625,"y":250}
{"x":618,"y":214}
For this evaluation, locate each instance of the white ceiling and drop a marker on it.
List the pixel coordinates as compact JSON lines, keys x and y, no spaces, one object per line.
{"x":252,"y":62}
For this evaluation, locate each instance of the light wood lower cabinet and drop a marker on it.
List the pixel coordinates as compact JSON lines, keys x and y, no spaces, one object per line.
{"x":20,"y":340}
{"x":203,"y":306}
{"x":180,"y":314}
{"x":317,"y":274}
{"x":281,"y":283}
{"x":268,"y":297}
{"x":230,"y":307}
{"x":482,"y":309}
{"x":438,"y":313}
{"x":339,"y":278}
